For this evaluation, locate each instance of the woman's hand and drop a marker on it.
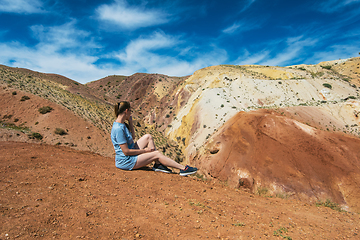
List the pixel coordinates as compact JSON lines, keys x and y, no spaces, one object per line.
{"x":147,"y":150}
{"x":130,"y":120}
{"x":130,"y":152}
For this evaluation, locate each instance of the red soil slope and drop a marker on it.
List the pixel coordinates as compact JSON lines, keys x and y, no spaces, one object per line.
{"x":267,"y":152}
{"x":81,"y":134}
{"x":54,"y":192}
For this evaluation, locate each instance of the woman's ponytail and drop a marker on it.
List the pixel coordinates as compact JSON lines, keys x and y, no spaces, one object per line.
{"x":121,"y":107}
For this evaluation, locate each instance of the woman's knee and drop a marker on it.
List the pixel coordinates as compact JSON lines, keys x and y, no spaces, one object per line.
{"x":157,"y":153}
{"x":148,"y":136}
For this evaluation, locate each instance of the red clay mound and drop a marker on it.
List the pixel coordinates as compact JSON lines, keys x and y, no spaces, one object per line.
{"x":275,"y":155}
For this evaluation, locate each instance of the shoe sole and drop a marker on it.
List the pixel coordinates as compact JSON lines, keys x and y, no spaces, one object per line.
{"x":187,"y":173}
{"x":160,"y":170}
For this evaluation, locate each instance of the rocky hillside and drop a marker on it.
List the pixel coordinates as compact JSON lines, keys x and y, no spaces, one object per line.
{"x":215,"y":94}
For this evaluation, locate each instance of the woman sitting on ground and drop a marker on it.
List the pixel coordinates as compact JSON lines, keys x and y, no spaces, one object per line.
{"x":130,"y":155}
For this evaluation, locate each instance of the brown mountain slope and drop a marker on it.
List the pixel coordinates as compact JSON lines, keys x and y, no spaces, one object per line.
{"x":90,"y":108}
{"x":53,"y":192}
{"x":154,"y":97}
{"x":276,"y":155}
{"x":13,"y":75}
{"x":24,"y":115}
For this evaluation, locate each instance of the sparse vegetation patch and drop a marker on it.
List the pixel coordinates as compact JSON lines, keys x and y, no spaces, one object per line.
{"x":24,"y":98}
{"x":60,"y":131}
{"x":35,"y":135}
{"x":44,"y":110}
{"x":328,"y":203}
{"x":7,"y":125}
{"x":326,"y":67}
{"x":261,"y":191}
{"x":327,"y":85}
{"x":280,"y":231}
{"x":241,"y":224}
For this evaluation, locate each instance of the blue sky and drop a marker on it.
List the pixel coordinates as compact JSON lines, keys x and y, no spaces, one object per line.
{"x":86,"y":40}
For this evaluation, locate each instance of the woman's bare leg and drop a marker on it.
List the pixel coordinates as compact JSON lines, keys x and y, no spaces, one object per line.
{"x":145,"y":141}
{"x":146,"y":158}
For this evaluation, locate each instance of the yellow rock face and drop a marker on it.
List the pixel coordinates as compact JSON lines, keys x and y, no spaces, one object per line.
{"x":187,"y":122}
{"x":272,"y":73}
{"x":351,"y":69}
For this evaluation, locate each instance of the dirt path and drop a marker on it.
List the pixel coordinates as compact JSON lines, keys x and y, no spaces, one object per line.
{"x":56,"y":192}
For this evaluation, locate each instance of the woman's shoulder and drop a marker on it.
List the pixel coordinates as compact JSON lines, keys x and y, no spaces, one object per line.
{"x":118,"y":125}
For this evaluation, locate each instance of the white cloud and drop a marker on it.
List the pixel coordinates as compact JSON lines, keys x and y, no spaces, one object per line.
{"x":61,"y":49}
{"x":299,"y":48}
{"x":335,"y":52}
{"x":136,"y":48}
{"x":280,"y":55}
{"x":295,"y":48}
{"x":141,"y":54}
{"x":62,"y":37}
{"x":232,"y":28}
{"x":130,"y":17}
{"x":78,"y":67}
{"x":21,"y":6}
{"x":67,"y":51}
{"x":248,"y":59}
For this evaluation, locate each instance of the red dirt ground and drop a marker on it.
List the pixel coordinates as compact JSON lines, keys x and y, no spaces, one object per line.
{"x":57,"y":192}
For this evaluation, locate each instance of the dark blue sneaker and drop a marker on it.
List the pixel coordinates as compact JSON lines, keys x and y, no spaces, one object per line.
{"x":161,"y":168}
{"x":188,"y":170}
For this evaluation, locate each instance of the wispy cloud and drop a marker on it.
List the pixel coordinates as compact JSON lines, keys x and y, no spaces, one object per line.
{"x":331,"y":6}
{"x":21,"y":6}
{"x":78,"y":67}
{"x":278,"y":53}
{"x":136,"y":48}
{"x":61,"y":49}
{"x":65,"y":36}
{"x":144,"y":53}
{"x":125,"y":16}
{"x":247,"y":5}
{"x":335,"y":52}
{"x":247,"y":58}
{"x":241,"y":26}
{"x":232,"y":28}
{"x":293,"y":49}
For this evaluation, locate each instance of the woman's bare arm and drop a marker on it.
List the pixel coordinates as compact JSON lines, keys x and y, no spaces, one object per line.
{"x":131,"y":152}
